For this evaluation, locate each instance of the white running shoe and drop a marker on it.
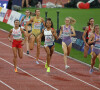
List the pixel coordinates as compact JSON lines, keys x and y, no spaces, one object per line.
{"x":66,"y":66}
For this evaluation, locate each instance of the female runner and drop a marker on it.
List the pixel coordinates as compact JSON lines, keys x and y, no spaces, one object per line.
{"x":23,"y":22}
{"x":17,"y":42}
{"x":67,"y":32}
{"x":50,"y":33}
{"x":88,"y":31}
{"x":95,"y":38}
{"x":36,"y":30}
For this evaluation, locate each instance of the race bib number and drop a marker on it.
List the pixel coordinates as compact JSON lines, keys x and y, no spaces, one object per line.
{"x":66,"y":33}
{"x":37,"y":25}
{"x":48,"y":40}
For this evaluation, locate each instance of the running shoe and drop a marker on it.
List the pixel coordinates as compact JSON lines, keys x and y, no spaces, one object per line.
{"x":46,"y":66}
{"x":16,"y":70}
{"x":27,"y":52}
{"x":91,"y":71}
{"x":48,"y":69}
{"x":66,"y":66}
{"x":37,"y":62}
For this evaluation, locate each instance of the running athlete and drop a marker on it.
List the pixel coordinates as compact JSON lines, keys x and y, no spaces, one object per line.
{"x":24,"y":20}
{"x":17,"y":42}
{"x":36,"y":30}
{"x":50,"y":33}
{"x":67,"y":32}
{"x":95,"y":38}
{"x":88,"y":31}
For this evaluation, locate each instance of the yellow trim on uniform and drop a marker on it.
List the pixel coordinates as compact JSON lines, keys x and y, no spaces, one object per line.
{"x":36,"y":26}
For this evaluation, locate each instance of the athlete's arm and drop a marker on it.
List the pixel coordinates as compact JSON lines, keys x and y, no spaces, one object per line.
{"x":21,"y":20}
{"x":91,"y":39}
{"x":10,"y":35}
{"x":73,"y":31}
{"x":43,"y":22}
{"x":29,"y":22}
{"x":42,"y":33}
{"x":84,"y":34}
{"x":22,"y":31}
{"x":61,"y":30}
{"x":54,"y":34}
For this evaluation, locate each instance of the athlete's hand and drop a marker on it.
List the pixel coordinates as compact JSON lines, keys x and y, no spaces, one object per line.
{"x":86,"y":45}
{"x":52,"y":31}
{"x":96,"y":40}
{"x":22,"y":43}
{"x":10,"y":39}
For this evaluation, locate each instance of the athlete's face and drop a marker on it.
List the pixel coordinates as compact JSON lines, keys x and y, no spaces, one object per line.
{"x":97,"y":29}
{"x":67,"y":21}
{"x":92,"y":22}
{"x":37,"y":12}
{"x":27,"y":13}
{"x":16,"y":23}
{"x":48,"y":24}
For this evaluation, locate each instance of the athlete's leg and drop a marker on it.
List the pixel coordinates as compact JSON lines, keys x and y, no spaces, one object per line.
{"x":69,"y":49}
{"x":51,"y":51}
{"x":86,"y":48}
{"x":38,"y":40}
{"x":48,"y":55}
{"x":64,"y":47}
{"x":20,"y":53}
{"x":15,"y":56}
{"x":27,"y":45}
{"x":31,"y":42}
{"x":93,"y":60}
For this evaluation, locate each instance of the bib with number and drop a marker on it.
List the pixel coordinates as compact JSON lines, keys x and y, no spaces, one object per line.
{"x":36,"y":26}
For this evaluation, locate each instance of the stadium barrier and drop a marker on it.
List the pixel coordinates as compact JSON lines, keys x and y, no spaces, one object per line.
{"x":8,"y":16}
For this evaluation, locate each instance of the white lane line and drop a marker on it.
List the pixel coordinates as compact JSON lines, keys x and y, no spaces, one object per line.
{"x":7,"y":85}
{"x":59,"y":70}
{"x":30,"y":74}
{"x":62,"y":54}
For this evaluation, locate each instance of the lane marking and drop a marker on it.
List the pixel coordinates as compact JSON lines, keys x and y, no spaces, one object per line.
{"x":7,"y":85}
{"x":59,"y":70}
{"x":30,"y":74}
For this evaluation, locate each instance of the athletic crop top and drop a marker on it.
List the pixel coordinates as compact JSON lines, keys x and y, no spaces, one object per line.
{"x":25,"y":21}
{"x":17,"y":33}
{"x":36,"y":26}
{"x":49,"y":38}
{"x":88,"y":33}
{"x":66,"y":31}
